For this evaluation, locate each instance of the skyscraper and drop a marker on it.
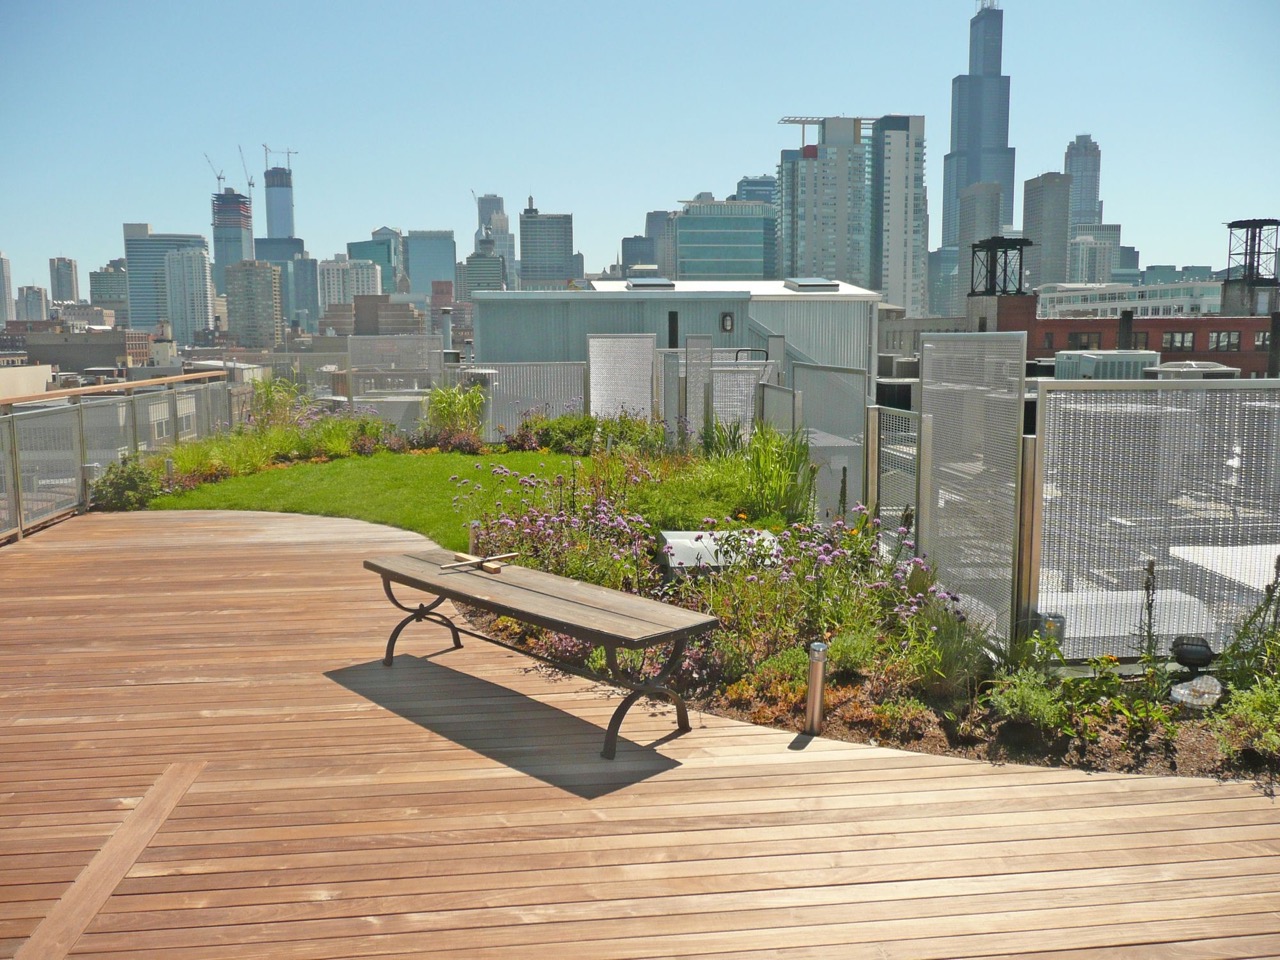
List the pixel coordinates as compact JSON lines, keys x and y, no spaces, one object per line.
{"x":341,"y":279}
{"x":429,"y":256}
{"x":385,"y":248}
{"x":760,"y":188}
{"x":279,"y":189}
{"x":726,"y":240}
{"x":33,"y":305}
{"x":979,"y":219}
{"x":1045,"y":205}
{"x":899,"y":213}
{"x":232,"y":233}
{"x":980,"y":150}
{"x":490,"y":213}
{"x":546,"y":249}
{"x":1083,"y":163}
{"x":109,"y":289}
{"x":6,"y":292}
{"x":483,"y":270}
{"x":145,"y":255}
{"x":254,"y":317}
{"x":189,"y":290}
{"x":64,"y":280}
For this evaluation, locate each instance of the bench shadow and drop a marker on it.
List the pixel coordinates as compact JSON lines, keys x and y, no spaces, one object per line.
{"x":517,"y":731}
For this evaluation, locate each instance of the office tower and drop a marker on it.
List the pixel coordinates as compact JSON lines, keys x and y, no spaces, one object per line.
{"x":6,"y":292}
{"x":342,"y":279}
{"x":284,"y":252}
{"x":637,"y":251}
{"x":979,"y":217}
{"x":279,"y":191}
{"x":385,"y":248}
{"x":109,"y":289}
{"x":144,"y":253}
{"x":980,"y":150}
{"x":33,"y":305}
{"x":491,"y":214}
{"x":824,"y":203}
{"x":1093,"y":252}
{"x":254,"y":318}
{"x":1083,"y":163}
{"x":189,"y":290}
{"x":759,"y":188}
{"x":546,"y":249}
{"x":483,"y":270}
{"x":726,"y":240}
{"x":306,"y":294}
{"x":232,"y":233}
{"x":657,"y":226}
{"x":64,"y":280}
{"x":429,"y":256}
{"x":899,"y":213}
{"x":1046,"y":203}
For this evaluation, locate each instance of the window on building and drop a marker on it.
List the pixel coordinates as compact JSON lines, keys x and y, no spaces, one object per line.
{"x":1084,"y":341}
{"x":1224,"y":340}
{"x":1048,"y":341}
{"x":1141,"y":339}
{"x":1178,"y":341}
{"x":1262,"y":340}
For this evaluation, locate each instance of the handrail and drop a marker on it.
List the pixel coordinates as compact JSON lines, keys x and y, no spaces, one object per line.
{"x":127,"y":387}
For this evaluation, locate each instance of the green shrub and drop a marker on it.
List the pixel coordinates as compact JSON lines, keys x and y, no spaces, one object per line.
{"x":780,"y":478}
{"x":1029,"y":696}
{"x":1250,"y":721}
{"x":127,"y":485}
{"x":571,"y":433}
{"x":456,"y":409}
{"x":1253,"y":653}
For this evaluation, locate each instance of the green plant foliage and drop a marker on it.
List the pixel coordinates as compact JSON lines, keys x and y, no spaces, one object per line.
{"x":571,"y":433}
{"x":456,"y":409}
{"x":1253,"y":653}
{"x":127,"y":485}
{"x":1029,"y":696}
{"x":780,"y":478}
{"x":1250,"y":721}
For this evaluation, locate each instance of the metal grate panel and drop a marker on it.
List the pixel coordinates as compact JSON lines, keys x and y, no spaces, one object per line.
{"x":107,"y":430}
{"x":778,"y":407}
{"x":733,"y":392}
{"x":155,"y":420}
{"x":49,"y":458}
{"x":1185,"y":473}
{"x":898,"y":444}
{"x":699,"y":356}
{"x":834,"y":403}
{"x":620,"y":372}
{"x":972,"y":389}
{"x":8,"y":483}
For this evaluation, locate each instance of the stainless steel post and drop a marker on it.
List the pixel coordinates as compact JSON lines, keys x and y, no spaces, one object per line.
{"x":817,"y":683}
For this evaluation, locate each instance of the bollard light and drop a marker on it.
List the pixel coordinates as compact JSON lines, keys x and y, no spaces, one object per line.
{"x":817,"y":680}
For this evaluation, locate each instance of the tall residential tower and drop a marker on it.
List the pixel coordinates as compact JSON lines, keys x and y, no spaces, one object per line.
{"x":64,"y":280}
{"x":546,"y":249}
{"x":232,"y":233}
{"x":1083,"y":163}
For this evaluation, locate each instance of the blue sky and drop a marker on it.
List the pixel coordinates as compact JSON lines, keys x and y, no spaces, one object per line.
{"x":397,"y":110}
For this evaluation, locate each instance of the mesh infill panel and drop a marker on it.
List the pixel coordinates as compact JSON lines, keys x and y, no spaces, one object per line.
{"x":409,"y":352}
{"x":834,"y":405}
{"x":620,"y":372}
{"x":778,"y":407}
{"x":1185,"y":473}
{"x":107,"y":430}
{"x":155,"y":420}
{"x":733,"y":391}
{"x":971,"y":389}
{"x":49,"y":459}
{"x":519,"y":389}
{"x":697,"y":374}
{"x":8,"y":481}
{"x":898,"y":450}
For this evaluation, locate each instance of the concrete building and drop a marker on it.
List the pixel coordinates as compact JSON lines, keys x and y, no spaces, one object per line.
{"x":1046,"y":201}
{"x":81,"y":351}
{"x":341,"y":279}
{"x":145,"y":254}
{"x":232,"y":233}
{"x":7,"y":313}
{"x":298,"y":279}
{"x":1083,"y":163}
{"x":64,"y":280}
{"x":278,"y":183}
{"x":979,"y":220}
{"x":726,"y":240}
{"x":490,"y":214}
{"x":761,"y":188}
{"x":82,"y":316}
{"x":639,"y":250}
{"x":32,"y":305}
{"x":189,"y":289}
{"x":384,"y":248}
{"x":377,"y":315}
{"x":483,"y":270}
{"x":429,"y":256}
{"x":1093,"y":252}
{"x":109,"y":289}
{"x":1191,"y":298}
{"x":546,"y":249}
{"x":254,"y":316}
{"x":900,"y":213}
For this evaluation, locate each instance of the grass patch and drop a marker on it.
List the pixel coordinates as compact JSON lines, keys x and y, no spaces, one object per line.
{"x":410,"y":492}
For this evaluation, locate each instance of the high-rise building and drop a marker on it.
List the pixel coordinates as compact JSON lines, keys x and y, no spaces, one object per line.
{"x":145,"y":255}
{"x":483,"y":270}
{"x":658,"y":227}
{"x":900,"y":213}
{"x":980,"y":151}
{"x":490,"y":213}
{"x":638,"y":250}
{"x":33,"y":305}
{"x":385,"y":248}
{"x":341,"y":279}
{"x":546,"y":249}
{"x":824,"y":203}
{"x":726,"y":240}
{"x":6,"y":292}
{"x":979,"y":218}
{"x":1093,"y":252}
{"x":1083,"y":163}
{"x":1046,"y":202}
{"x":109,"y":289}
{"x":429,"y":256}
{"x":254,"y":318}
{"x":761,"y":188}
{"x":232,"y":233}
{"x":189,"y":289}
{"x":64,"y":280}
{"x":279,"y":191}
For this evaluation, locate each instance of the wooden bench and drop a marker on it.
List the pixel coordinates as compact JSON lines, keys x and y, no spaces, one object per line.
{"x":606,"y":618}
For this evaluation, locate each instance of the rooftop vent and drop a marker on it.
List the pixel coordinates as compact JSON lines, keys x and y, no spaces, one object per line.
{"x":811,"y":284}
{"x":650,"y":283}
{"x":1191,"y":370}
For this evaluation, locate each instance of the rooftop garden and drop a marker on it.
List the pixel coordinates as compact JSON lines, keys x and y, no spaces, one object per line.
{"x":586,"y":498}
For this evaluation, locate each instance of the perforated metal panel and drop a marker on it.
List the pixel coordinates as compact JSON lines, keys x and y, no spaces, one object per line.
{"x":49,"y":458}
{"x":670,"y":374}
{"x":155,"y":420}
{"x":518,"y":388}
{"x":834,"y":401}
{"x":1185,"y":473}
{"x":972,"y":389}
{"x":697,"y":375}
{"x":8,"y":482}
{"x":897,"y":439}
{"x":733,"y":391}
{"x":107,"y":430}
{"x":408,"y":352}
{"x":620,"y":372}
{"x":778,"y":407}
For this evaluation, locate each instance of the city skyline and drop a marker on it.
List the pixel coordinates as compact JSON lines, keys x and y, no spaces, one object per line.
{"x":588,"y":143}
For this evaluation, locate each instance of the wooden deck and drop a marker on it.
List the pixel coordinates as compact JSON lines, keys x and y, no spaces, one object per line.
{"x":202,"y":757}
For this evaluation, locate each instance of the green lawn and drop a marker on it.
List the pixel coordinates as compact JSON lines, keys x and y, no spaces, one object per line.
{"x":411,"y":492}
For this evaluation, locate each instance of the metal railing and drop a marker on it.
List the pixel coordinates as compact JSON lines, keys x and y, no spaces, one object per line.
{"x":54,"y":444}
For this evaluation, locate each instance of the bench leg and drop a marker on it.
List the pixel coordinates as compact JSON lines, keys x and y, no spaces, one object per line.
{"x":654,"y":689}
{"x":423,"y":612}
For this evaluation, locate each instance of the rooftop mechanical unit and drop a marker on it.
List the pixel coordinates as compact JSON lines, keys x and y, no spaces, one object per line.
{"x":1103,"y":364}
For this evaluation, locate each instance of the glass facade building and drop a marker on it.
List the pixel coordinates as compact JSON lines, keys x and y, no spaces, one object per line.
{"x":726,"y":240}
{"x":429,"y":256}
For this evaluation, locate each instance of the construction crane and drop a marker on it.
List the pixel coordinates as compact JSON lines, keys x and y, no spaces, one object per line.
{"x":288,"y":154}
{"x":245,"y":165}
{"x":216,"y":172}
